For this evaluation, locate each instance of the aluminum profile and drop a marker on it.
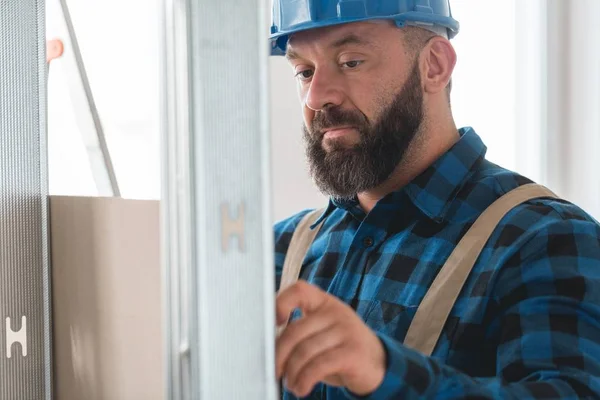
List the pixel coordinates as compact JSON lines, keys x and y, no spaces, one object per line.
{"x":25,"y":339}
{"x":217,"y":232}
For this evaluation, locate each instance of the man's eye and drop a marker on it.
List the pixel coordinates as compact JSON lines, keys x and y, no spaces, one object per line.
{"x":304,"y":74}
{"x":351,"y":64}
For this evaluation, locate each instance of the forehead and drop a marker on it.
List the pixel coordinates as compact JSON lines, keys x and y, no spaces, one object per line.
{"x":367,"y":32}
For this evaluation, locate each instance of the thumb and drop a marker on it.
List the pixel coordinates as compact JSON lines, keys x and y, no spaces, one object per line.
{"x":306,"y":297}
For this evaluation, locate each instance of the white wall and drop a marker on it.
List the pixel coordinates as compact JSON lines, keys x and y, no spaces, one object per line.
{"x":572,"y":108}
{"x":119,"y":45}
{"x":501,"y":83}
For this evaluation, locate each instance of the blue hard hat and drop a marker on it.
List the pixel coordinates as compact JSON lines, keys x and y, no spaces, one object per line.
{"x":291,"y":16}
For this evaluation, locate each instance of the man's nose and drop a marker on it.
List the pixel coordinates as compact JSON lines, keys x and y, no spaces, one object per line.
{"x":324,"y":91}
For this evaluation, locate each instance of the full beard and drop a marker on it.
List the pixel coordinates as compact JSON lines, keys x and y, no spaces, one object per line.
{"x":343,"y":172}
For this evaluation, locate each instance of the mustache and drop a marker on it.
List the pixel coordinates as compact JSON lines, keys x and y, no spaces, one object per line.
{"x":336,"y":116}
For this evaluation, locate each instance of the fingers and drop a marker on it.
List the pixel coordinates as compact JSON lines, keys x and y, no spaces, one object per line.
{"x":296,"y":333}
{"x":318,"y":369}
{"x":329,"y":344}
{"x":301,"y":295}
{"x":310,"y":349}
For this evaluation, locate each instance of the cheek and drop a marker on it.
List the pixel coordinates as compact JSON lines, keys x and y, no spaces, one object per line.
{"x":376,"y":100}
{"x":307,"y":113}
{"x":366,"y":94}
{"x":365,"y":102}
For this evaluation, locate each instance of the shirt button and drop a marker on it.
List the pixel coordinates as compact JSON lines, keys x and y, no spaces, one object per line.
{"x":368,"y":241}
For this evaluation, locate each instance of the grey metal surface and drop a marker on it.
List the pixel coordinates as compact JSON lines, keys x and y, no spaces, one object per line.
{"x":176,"y":211}
{"x":86,"y":112}
{"x":25,"y":368}
{"x":218,"y":250}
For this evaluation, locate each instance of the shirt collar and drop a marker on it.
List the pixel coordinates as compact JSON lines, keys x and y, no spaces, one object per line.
{"x":351,"y":206}
{"x":326,"y":212}
{"x":434,"y":190}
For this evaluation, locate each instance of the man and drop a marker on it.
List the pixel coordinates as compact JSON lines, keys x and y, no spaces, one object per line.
{"x":405,"y":186}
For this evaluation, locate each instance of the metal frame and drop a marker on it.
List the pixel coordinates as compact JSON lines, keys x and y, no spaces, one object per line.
{"x":25,"y":303}
{"x":177,"y":212}
{"x":217,"y":231}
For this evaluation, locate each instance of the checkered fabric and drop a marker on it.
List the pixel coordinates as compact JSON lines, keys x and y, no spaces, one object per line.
{"x":527,"y":322}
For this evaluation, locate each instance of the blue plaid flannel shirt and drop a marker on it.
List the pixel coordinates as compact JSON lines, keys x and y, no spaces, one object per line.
{"x":527,"y":322}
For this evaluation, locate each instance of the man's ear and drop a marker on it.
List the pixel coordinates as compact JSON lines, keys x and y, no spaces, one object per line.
{"x":439,"y":59}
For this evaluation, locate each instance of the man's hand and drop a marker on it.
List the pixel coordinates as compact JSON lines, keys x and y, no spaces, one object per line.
{"x":329,"y":344}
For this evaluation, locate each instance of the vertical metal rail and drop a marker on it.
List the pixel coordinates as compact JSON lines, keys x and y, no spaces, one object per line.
{"x":217,"y":233}
{"x":25,"y":326}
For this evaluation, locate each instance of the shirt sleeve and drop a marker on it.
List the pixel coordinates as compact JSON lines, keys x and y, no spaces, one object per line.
{"x":547,"y":314}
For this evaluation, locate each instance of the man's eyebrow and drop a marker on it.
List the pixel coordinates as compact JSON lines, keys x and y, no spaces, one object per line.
{"x":351,"y":38}
{"x":291,"y":55}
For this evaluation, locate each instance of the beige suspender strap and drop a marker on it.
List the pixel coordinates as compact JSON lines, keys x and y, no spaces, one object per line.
{"x":301,"y":240}
{"x":431,"y":316}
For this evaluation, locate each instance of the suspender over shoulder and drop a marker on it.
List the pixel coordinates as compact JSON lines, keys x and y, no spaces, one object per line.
{"x":430,"y":318}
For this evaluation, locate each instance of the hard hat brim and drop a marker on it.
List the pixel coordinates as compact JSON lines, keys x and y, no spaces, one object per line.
{"x":278,"y":40}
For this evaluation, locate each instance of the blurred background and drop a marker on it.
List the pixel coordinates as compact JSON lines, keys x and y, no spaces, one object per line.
{"x":527,"y":80}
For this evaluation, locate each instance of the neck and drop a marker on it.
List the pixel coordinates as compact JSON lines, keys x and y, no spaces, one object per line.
{"x":424,"y":150}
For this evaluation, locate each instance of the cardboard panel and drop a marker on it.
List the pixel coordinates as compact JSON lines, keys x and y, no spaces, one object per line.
{"x":106,"y":284}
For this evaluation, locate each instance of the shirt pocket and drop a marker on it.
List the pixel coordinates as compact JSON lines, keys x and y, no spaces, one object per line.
{"x":391,"y":319}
